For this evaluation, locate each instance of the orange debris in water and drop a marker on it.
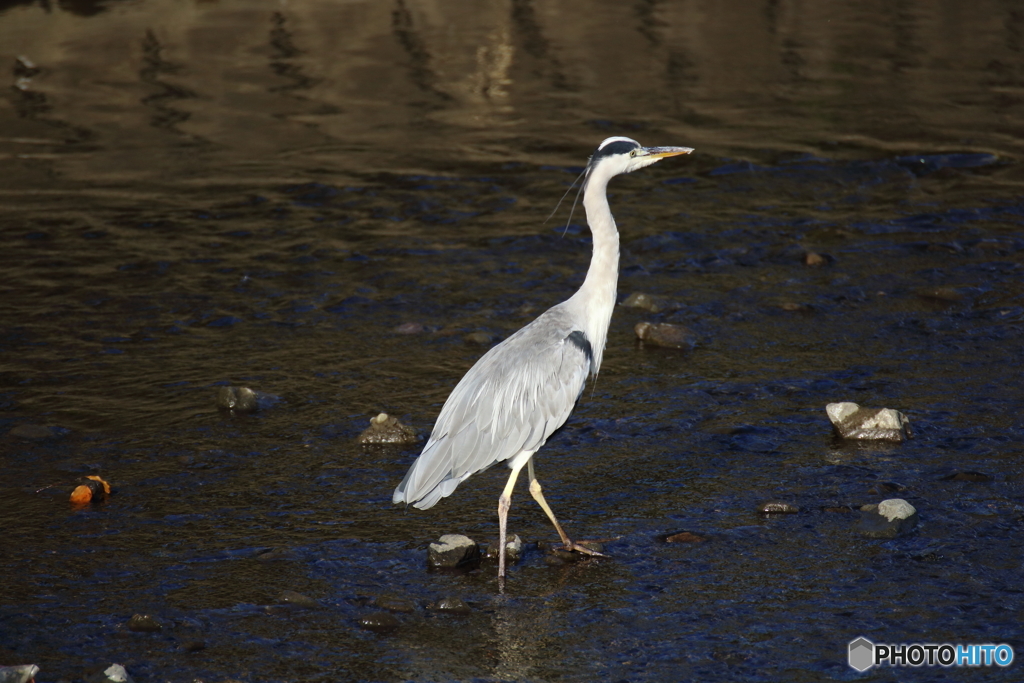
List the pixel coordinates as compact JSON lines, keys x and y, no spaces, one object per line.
{"x":93,"y":488}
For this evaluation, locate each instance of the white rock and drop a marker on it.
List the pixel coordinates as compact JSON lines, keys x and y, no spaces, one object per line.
{"x":896,"y":508}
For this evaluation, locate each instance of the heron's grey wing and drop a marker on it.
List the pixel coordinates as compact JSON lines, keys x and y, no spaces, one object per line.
{"x":511,"y":401}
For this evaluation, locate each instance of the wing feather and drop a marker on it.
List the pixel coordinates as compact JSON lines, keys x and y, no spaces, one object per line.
{"x":511,"y":401}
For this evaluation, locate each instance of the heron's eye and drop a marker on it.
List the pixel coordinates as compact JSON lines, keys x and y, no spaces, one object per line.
{"x":632,"y":153}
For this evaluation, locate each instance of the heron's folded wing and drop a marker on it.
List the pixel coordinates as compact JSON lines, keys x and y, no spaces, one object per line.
{"x":511,"y":401}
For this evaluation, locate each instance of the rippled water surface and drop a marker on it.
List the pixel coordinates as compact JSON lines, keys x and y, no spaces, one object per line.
{"x":199,"y":194}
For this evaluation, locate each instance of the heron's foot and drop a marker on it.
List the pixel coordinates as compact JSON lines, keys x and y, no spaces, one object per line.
{"x":592,"y":548}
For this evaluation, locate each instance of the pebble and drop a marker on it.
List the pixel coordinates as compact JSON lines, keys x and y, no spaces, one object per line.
{"x":297,"y":599}
{"x":409,"y":328}
{"x":647,"y":302}
{"x":685,"y":537}
{"x":850,"y":421}
{"x":451,"y":606}
{"x":22,"y":673}
{"x":889,"y":519}
{"x":385,"y":429}
{"x":513,"y":549}
{"x":814,"y":259}
{"x":143,"y":623}
{"x":794,"y":307}
{"x":480,"y":338}
{"x":115,"y":673}
{"x":453,"y":550}
{"x":379,"y":622}
{"x":665,"y":335}
{"x":777,"y":507}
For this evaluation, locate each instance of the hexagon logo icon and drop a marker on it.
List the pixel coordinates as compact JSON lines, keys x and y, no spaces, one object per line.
{"x":861,"y":654}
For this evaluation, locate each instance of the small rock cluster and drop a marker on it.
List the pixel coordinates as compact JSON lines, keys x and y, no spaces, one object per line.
{"x":850,"y":421}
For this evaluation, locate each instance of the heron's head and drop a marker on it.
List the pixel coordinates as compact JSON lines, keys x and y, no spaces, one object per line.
{"x":622,"y":155}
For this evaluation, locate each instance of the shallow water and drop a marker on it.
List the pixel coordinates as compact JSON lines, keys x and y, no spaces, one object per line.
{"x":211,"y":193}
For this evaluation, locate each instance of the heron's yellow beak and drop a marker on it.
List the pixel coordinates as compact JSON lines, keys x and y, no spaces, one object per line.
{"x":664,"y":152}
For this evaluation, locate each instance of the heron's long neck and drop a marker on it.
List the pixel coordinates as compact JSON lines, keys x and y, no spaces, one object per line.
{"x":598,"y":293}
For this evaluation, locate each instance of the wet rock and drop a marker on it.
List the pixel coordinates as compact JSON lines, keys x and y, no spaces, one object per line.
{"x":480,"y":338}
{"x":22,"y":673}
{"x":30,"y":432}
{"x":665,"y":335}
{"x":409,"y":328}
{"x":386,"y":429}
{"x":976,"y":477}
{"x":794,"y":307}
{"x":297,"y":599}
{"x":115,"y":673}
{"x":513,"y":549}
{"x":814,"y":259}
{"x":777,"y":507}
{"x":395,"y":604}
{"x":453,"y":550}
{"x":450,"y":606}
{"x":143,"y":623}
{"x":193,"y":646}
{"x":379,"y":622}
{"x":889,"y":519}
{"x":646,"y":302}
{"x":237,"y":399}
{"x":243,"y":400}
{"x":850,"y":421}
{"x":685,"y":537}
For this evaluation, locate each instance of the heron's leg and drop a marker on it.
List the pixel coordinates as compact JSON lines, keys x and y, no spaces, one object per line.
{"x":504,"y":503}
{"x":538,"y":495}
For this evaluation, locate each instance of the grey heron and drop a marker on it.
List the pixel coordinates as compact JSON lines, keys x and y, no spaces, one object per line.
{"x":522,"y":390}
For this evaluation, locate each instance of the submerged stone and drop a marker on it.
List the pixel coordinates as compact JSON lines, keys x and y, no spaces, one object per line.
{"x":453,"y":550}
{"x":975,"y":477}
{"x":480,"y":338}
{"x":684,"y":537}
{"x":31,"y":432}
{"x":386,"y":429}
{"x":777,"y":507}
{"x":647,"y":302}
{"x":451,"y":606}
{"x":243,"y":400}
{"x":665,"y":335}
{"x":379,"y":622}
{"x":144,"y":623}
{"x":850,"y":421}
{"x":513,"y":549}
{"x":889,"y":519}
{"x":394,"y":604}
{"x":297,"y":599}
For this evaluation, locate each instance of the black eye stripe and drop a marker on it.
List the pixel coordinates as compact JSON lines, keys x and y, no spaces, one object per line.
{"x":617,"y":147}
